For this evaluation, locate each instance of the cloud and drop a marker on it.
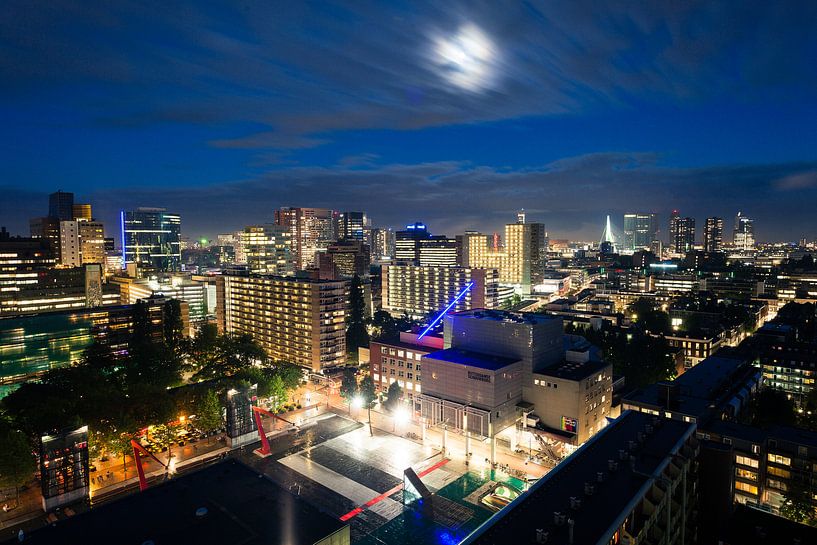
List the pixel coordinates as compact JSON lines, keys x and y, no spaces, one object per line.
{"x":571,"y":195}
{"x":298,"y":71}
{"x":803,"y":180}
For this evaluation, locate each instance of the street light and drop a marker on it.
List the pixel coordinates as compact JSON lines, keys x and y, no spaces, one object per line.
{"x":401,"y":416}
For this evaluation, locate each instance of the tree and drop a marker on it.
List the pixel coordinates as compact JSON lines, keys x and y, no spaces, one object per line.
{"x":208,"y":412}
{"x":394,"y":395}
{"x":172,"y":323}
{"x":356,"y":334}
{"x":17,"y":463}
{"x":166,"y":435}
{"x":649,"y":317}
{"x":797,"y":504}
{"x":770,"y":407}
{"x":348,"y":386}
{"x":367,"y":395}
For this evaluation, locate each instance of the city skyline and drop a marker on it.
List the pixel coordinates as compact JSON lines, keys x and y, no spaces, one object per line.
{"x":454,"y":116}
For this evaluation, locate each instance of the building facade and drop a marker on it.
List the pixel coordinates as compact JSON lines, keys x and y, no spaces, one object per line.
{"x":299,"y":320}
{"x":681,"y":233}
{"x":151,"y":237}
{"x":640,"y":230}
{"x":420,"y":291}
{"x":713,"y":234}
{"x":310,"y":230}
{"x":744,"y":233}
{"x":267,"y":249}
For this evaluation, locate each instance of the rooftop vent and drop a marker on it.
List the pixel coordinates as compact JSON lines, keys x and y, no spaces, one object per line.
{"x":542,"y":535}
{"x":589,"y":488}
{"x":559,"y":518}
{"x":600,"y":476}
{"x":575,"y":503}
{"x":612,"y":465}
{"x":622,"y":454}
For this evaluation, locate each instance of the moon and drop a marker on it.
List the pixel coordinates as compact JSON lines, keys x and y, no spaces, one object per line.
{"x":466,"y":58}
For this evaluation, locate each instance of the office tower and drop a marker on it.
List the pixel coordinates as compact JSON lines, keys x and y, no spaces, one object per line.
{"x":61,"y":205}
{"x":420,"y":291}
{"x":417,"y":246}
{"x":48,"y":229}
{"x":151,"y":237}
{"x":351,"y":225}
{"x":82,"y":212}
{"x":744,"y":234}
{"x":345,"y":259}
{"x":300,"y":320}
{"x":81,"y":242}
{"x":267,"y":249}
{"x":382,"y":244}
{"x":681,"y":233}
{"x":713,"y":234}
{"x":311,"y":230}
{"x":636,"y":482}
{"x":520,"y":261}
{"x":640,"y":229}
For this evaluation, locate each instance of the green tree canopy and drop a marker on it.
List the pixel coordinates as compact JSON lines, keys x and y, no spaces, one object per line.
{"x":357,"y":335}
{"x":394,"y":395}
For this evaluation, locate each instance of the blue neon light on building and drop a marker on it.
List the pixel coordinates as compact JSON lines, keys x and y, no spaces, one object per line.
{"x":439,"y":317}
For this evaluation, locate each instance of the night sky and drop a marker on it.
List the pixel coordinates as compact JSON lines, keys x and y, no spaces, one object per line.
{"x":453,"y":114}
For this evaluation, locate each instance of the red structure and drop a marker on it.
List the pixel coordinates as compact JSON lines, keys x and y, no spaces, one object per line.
{"x":138,"y":452}
{"x":257,"y":412}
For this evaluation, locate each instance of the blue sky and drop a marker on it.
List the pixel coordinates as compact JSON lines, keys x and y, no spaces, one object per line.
{"x":456,"y":114}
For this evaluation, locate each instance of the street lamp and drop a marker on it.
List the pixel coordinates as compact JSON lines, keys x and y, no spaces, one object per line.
{"x":401,"y":416}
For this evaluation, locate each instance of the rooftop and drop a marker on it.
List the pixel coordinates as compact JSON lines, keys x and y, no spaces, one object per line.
{"x":473,"y":359}
{"x":571,"y":370}
{"x":241,"y":507}
{"x":604,"y":509}
{"x":505,"y":316}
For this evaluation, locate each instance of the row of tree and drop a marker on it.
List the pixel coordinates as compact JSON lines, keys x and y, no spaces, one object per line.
{"x":160,"y":376}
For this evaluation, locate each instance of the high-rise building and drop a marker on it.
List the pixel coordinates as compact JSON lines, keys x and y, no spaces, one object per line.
{"x":351,"y":225}
{"x":640,"y":230}
{"x":61,"y":205}
{"x":311,"y":230}
{"x":82,"y":212}
{"x":151,"y":237}
{"x":300,"y":320}
{"x":713,"y":234}
{"x":520,"y":261}
{"x":417,"y":246}
{"x":744,"y":234}
{"x":681,"y":233}
{"x":382,"y":244}
{"x":420,"y":291}
{"x":81,"y":242}
{"x":267,"y":249}
{"x":179,"y":287}
{"x":48,"y":229}
{"x":345,"y":259}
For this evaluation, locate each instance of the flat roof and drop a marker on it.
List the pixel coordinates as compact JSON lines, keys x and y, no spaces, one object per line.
{"x":472,"y":359}
{"x":598,"y":512}
{"x":242,"y":507}
{"x":573,"y":370}
{"x":505,"y":316}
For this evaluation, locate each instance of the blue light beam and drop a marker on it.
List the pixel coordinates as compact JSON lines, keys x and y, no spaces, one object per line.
{"x":439,"y":317}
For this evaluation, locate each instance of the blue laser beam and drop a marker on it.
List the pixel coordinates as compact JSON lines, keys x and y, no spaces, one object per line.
{"x":446,"y":309}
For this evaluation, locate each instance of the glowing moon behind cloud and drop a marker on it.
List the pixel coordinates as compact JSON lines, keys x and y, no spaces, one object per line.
{"x":466,"y":59}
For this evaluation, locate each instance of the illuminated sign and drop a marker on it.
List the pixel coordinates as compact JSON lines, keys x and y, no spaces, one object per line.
{"x":569,"y":424}
{"x":439,"y":317}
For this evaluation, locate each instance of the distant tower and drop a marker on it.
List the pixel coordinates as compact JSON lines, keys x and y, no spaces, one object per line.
{"x":520,"y":216}
{"x":608,"y":236}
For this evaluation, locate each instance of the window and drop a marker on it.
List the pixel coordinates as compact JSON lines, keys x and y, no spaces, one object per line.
{"x":384,"y":350}
{"x":746,"y":474}
{"x":746,"y":461}
{"x":778,"y":472}
{"x":746,"y":487}
{"x":778,"y":459}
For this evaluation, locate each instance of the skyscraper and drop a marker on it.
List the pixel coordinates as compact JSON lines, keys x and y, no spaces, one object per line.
{"x":151,"y":237}
{"x":382,"y":243}
{"x":310,"y":229}
{"x":61,"y":205}
{"x":744,"y":235}
{"x":713,"y":234}
{"x":417,"y":246}
{"x":520,"y":261}
{"x":267,"y":249}
{"x":351,"y":225}
{"x":681,"y":233}
{"x":640,"y":230}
